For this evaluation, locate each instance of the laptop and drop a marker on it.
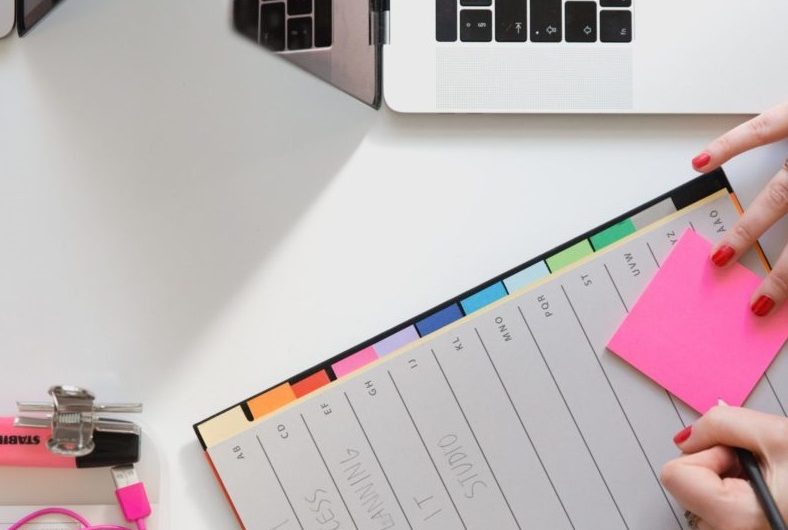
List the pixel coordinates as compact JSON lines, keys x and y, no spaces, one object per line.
{"x":534,"y":56}
{"x":7,"y":17}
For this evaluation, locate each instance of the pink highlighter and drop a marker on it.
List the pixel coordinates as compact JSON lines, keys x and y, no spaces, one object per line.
{"x":27,"y":447}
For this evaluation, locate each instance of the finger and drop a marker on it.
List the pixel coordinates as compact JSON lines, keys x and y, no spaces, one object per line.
{"x":694,"y":480}
{"x":719,"y":459}
{"x":769,"y":206}
{"x":774,"y":289}
{"x":764,"y":129}
{"x":703,"y":525}
{"x":733,"y":427}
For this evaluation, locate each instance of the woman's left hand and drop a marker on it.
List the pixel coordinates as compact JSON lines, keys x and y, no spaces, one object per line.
{"x":767,"y":208}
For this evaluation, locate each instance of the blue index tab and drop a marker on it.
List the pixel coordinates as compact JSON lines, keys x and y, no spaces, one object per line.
{"x":437,"y":320}
{"x":486,"y":296}
{"x":527,"y":276}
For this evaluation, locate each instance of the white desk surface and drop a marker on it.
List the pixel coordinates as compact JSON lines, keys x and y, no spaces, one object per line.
{"x":186,"y":221}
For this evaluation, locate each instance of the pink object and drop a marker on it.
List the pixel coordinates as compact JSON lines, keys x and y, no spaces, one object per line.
{"x":64,"y":512}
{"x":354,"y":362}
{"x":23,"y":447}
{"x":692,"y":330}
{"x":133,"y":502}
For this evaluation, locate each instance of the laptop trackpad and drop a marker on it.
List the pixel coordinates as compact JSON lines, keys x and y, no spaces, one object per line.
{"x":538,"y":79}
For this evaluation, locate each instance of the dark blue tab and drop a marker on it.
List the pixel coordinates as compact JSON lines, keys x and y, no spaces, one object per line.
{"x":439,"y":319}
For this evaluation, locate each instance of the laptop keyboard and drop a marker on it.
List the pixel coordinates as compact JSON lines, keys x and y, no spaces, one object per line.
{"x":289,"y":25}
{"x":533,"y":21}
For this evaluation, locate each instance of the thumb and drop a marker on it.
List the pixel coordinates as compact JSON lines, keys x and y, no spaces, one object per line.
{"x":733,"y":427}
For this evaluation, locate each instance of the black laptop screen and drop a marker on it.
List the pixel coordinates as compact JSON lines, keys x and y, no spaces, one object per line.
{"x":30,"y":12}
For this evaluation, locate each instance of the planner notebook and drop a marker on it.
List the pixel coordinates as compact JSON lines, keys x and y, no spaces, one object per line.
{"x":499,"y":409}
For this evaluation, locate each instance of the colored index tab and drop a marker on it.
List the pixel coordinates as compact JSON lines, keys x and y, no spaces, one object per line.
{"x":310,"y":383}
{"x":353,"y":362}
{"x":225,"y":425}
{"x":692,"y":330}
{"x":527,"y":276}
{"x":396,"y":340}
{"x":652,"y":214}
{"x":569,"y":255}
{"x":610,"y":235}
{"x":437,"y":320}
{"x":486,"y":296}
{"x":271,"y":400}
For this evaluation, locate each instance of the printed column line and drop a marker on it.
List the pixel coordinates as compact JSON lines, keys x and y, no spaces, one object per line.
{"x":769,"y":381}
{"x":574,"y":420}
{"x":429,"y":455}
{"x":621,"y":407}
{"x":615,"y":286}
{"x":284,"y":491}
{"x":375,"y":454}
{"x":653,"y":255}
{"x":525,"y":430}
{"x":475,"y":439}
{"x":319,"y":452}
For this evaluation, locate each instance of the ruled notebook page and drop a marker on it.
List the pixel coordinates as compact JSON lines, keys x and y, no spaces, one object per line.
{"x":514,"y":417}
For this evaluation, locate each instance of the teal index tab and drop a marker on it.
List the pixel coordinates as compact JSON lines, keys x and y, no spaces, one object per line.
{"x":612,"y":234}
{"x":485,"y":297}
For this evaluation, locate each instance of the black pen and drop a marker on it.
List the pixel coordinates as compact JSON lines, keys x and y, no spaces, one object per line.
{"x":750,"y":465}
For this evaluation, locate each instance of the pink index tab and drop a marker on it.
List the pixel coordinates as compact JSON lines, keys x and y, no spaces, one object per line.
{"x":692,"y":330}
{"x":354,"y":362}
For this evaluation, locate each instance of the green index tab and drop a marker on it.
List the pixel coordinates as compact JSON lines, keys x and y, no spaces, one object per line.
{"x":570,"y":255}
{"x":610,"y":235}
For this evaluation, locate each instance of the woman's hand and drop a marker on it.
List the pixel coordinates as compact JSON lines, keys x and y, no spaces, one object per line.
{"x":707,"y":481}
{"x":767,"y":208}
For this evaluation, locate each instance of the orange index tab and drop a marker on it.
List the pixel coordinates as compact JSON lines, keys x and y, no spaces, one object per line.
{"x":270,"y":401}
{"x":310,"y":383}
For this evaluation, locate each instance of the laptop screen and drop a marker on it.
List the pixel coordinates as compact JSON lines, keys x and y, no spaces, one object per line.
{"x":30,"y":12}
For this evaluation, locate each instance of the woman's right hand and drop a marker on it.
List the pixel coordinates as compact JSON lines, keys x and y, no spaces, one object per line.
{"x":708,"y":480}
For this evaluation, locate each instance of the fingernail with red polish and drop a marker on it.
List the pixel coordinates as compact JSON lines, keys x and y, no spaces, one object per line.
{"x":723,"y":255}
{"x":682,"y":435}
{"x":701,"y":160}
{"x":762,"y":306}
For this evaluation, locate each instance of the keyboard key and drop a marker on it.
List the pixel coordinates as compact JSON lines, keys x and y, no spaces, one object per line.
{"x":546,"y":24}
{"x":299,"y":7}
{"x":272,"y":26}
{"x":510,"y":21}
{"x":616,"y":3}
{"x":476,"y":25}
{"x":323,"y":31}
{"x":476,"y":3}
{"x":299,"y":33}
{"x":615,"y":26}
{"x":446,"y":20}
{"x":580,"y":21}
{"x":246,"y":17}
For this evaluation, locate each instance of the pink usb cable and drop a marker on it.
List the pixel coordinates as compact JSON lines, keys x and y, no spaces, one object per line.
{"x":131,"y":495}
{"x":132,"y":499}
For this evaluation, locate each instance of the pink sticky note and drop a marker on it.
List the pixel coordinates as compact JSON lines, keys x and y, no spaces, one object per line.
{"x":692,"y":330}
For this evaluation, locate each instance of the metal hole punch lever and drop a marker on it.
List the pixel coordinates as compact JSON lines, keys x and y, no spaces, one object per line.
{"x":74,"y":418}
